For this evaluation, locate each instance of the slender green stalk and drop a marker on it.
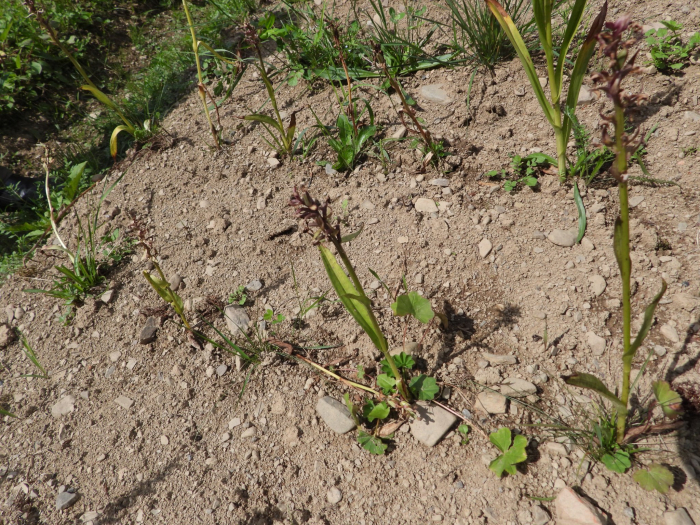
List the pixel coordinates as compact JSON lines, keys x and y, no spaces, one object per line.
{"x":200,"y":86}
{"x":384,"y":346}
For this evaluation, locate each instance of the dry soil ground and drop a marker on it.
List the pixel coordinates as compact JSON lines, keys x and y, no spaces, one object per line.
{"x":184,"y":449}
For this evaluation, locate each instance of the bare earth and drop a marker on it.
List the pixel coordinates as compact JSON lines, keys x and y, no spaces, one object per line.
{"x":183,"y":452}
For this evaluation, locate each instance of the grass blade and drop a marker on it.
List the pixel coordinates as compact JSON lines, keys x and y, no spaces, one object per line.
{"x":581,"y":214}
{"x":524,"y":55}
{"x":648,"y":318}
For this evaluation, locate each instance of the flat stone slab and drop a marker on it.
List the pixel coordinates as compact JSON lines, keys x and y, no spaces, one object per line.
{"x":516,"y":387}
{"x":65,"y":406}
{"x":236,"y":319}
{"x":426,"y":206}
{"x":498,"y":359}
{"x":435,"y":93}
{"x":565,"y":238}
{"x":66,"y":499}
{"x":124,"y":402}
{"x":678,"y":517}
{"x":433,"y":424}
{"x":491,"y":402}
{"x":335,"y":414}
{"x":148,"y":332}
{"x":572,"y":509}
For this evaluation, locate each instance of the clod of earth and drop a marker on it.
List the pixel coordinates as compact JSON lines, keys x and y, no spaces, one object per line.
{"x":410,"y":348}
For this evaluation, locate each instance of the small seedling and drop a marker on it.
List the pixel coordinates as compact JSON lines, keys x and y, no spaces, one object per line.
{"x":272,"y":318}
{"x":525,"y":170}
{"x":512,"y":454}
{"x":667,"y":48}
{"x":238,"y":297}
{"x":464,"y":429}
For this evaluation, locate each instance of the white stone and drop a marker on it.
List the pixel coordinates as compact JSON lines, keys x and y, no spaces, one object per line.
{"x":598,"y":284}
{"x":595,"y":343}
{"x":572,"y":509}
{"x":485,"y":247}
{"x":435,"y":93}
{"x":334,"y":495}
{"x":491,"y":402}
{"x":335,"y":414}
{"x":670,"y":333}
{"x":431,"y":424}
{"x":124,"y":402}
{"x":635,"y":201}
{"x":678,"y":517}
{"x":426,"y":206}
{"x":236,"y":319}
{"x":564,"y":238}
{"x":65,"y":406}
{"x":499,"y":359}
{"x":516,"y":387}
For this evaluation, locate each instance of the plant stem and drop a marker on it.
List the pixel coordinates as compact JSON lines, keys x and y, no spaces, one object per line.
{"x":384,"y":347}
{"x":200,"y":86}
{"x":625,"y":241}
{"x":561,"y":152}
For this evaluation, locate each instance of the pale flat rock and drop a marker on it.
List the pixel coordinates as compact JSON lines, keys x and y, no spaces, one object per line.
{"x":670,"y":333}
{"x":148,"y":332}
{"x":66,"y":405}
{"x":435,"y":93}
{"x":686,"y":301}
{"x":335,"y":414}
{"x":598,"y":284}
{"x":563,"y":238}
{"x":491,"y":402}
{"x":443,"y":183}
{"x":498,"y":359}
{"x":678,"y":517}
{"x":66,"y":499}
{"x":400,"y":133}
{"x":426,"y":206}
{"x":595,"y":343}
{"x":587,"y":245}
{"x":586,"y":96}
{"x":516,"y":387}
{"x":124,"y":402}
{"x":107,"y":296}
{"x":572,"y":509}
{"x":636,"y":201}
{"x":236,"y":319}
{"x":485,"y":248}
{"x":692,"y":116}
{"x":432,"y":423}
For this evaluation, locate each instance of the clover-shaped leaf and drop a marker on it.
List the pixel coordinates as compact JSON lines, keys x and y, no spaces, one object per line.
{"x":669,"y":400}
{"x":512,"y":454}
{"x":415,"y":305}
{"x":657,"y":478}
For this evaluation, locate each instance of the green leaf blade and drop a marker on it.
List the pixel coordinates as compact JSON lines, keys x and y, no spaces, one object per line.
{"x":657,"y":478}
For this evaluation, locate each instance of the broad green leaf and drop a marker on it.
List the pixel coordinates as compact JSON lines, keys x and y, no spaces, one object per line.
{"x":464,"y":430}
{"x":581,"y":214}
{"x":618,"y":462}
{"x":380,"y":411}
{"x":415,"y":305}
{"x":501,"y":439}
{"x":386,"y":383}
{"x":657,"y":478}
{"x":364,"y":134}
{"x":350,"y":236}
{"x":372,"y":444}
{"x":668,"y":399}
{"x":581,"y":66}
{"x":511,"y":456}
{"x":70,"y":190}
{"x":591,"y":382}
{"x":514,"y":36}
{"x":646,"y":324}
{"x":346,"y":293}
{"x":423,"y":387}
{"x":345,"y":131}
{"x":403,"y":360}
{"x":256,"y":117}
